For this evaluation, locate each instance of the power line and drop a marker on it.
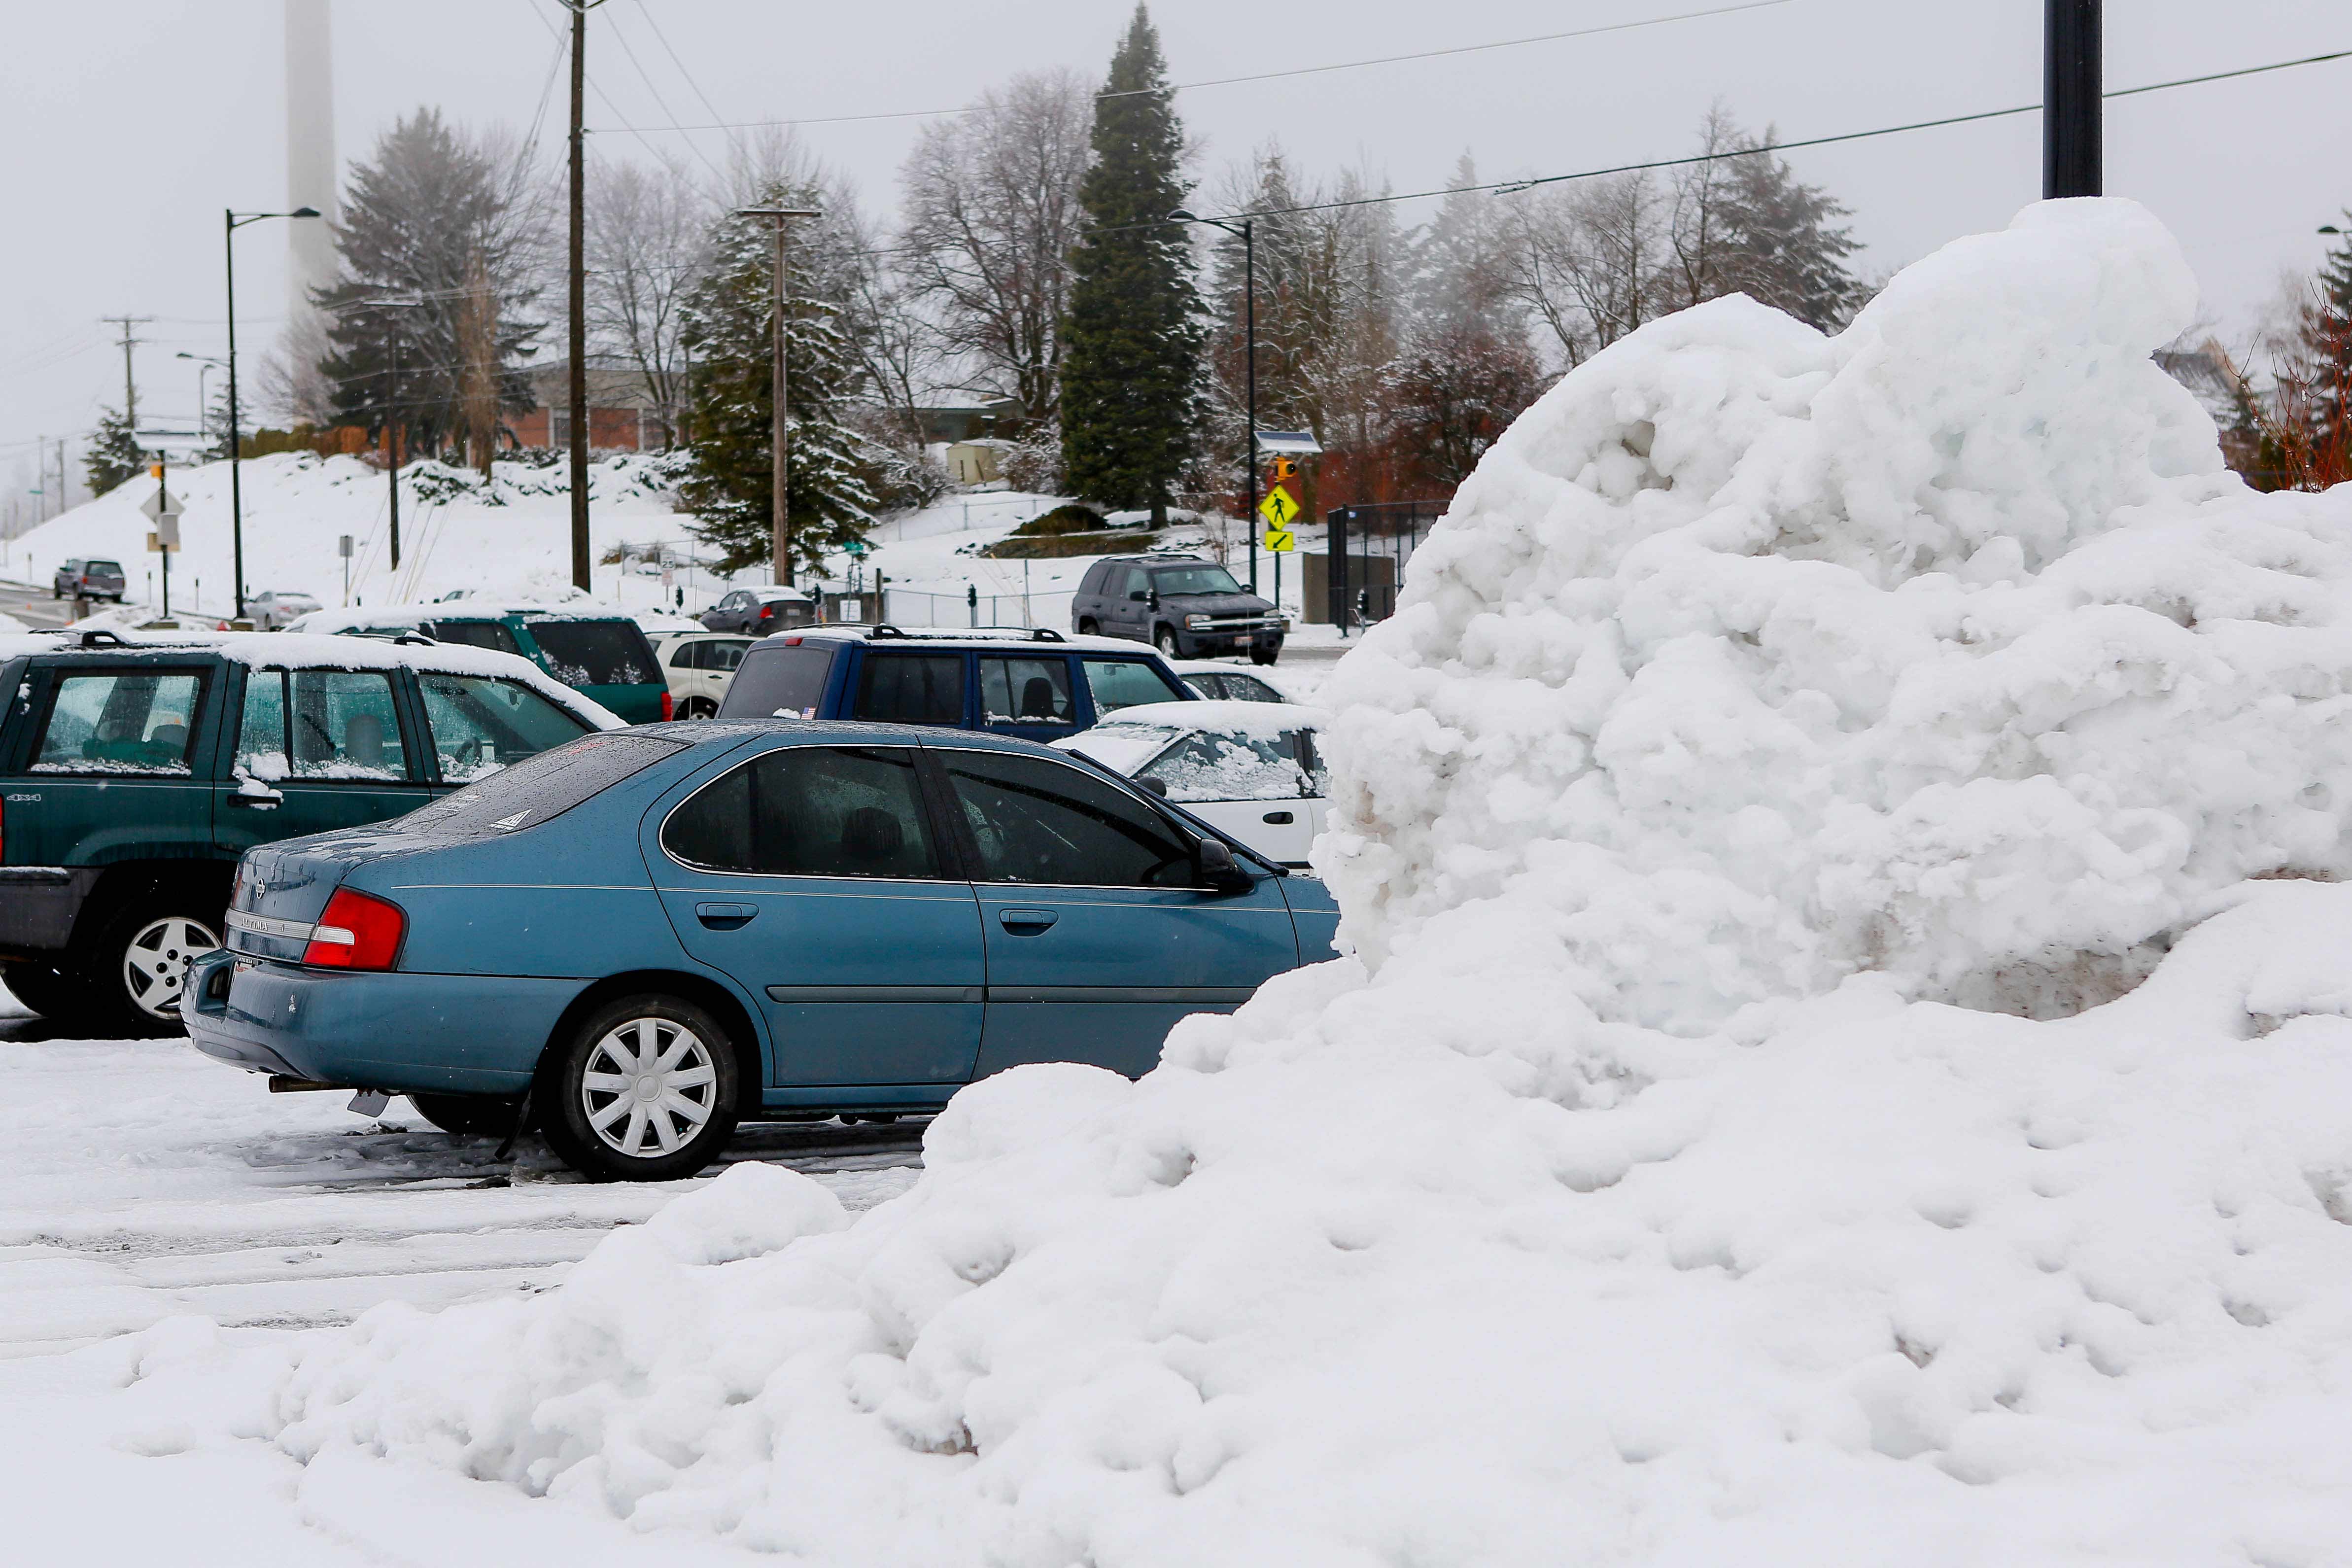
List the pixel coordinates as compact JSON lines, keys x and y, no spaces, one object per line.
{"x":1262,"y":76}
{"x":645,"y":8}
{"x":660,"y":102}
{"x":1512,"y":186}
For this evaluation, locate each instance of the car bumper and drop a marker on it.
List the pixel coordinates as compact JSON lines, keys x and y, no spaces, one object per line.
{"x":38,"y":907}
{"x":434,"y":1034}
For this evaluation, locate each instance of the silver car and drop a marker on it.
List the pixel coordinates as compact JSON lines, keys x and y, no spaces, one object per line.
{"x":271,"y":611}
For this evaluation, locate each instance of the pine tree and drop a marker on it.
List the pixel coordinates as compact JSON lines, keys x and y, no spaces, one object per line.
{"x":728,"y":335}
{"x":1130,"y":399}
{"x":2326,"y":368}
{"x":432,"y":217}
{"x":1784,"y":247}
{"x":114,"y":455}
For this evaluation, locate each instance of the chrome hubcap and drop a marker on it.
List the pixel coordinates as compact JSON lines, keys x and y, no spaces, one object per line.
{"x":155,"y":964}
{"x":650,"y":1087}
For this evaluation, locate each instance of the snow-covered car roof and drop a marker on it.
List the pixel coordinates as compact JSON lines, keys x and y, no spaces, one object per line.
{"x":769,"y":591}
{"x":369,"y":616}
{"x":291,"y":649}
{"x":988,"y":637}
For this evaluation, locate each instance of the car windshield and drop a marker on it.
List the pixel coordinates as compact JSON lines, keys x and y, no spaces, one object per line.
{"x":780,"y":680}
{"x":596,"y":653}
{"x":537,"y":788}
{"x":1194,"y":580}
{"x":1212,"y":766}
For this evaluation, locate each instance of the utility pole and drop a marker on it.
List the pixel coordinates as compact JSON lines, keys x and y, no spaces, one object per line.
{"x":130,"y":386}
{"x":576,"y":290}
{"x":780,"y":438}
{"x":2073,"y":155}
{"x":392,"y":449}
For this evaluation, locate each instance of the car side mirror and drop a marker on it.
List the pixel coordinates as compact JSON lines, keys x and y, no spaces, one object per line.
{"x":1157,"y":786}
{"x":1138,"y":595}
{"x":1219,"y":872}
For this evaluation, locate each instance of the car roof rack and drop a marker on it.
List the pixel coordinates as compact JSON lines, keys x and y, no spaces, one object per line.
{"x":417,"y":639}
{"x":885,"y":629}
{"x":99,"y":636}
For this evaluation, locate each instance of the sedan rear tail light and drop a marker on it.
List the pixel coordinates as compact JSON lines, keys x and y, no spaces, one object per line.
{"x":358,"y":931}
{"x":767,"y":612}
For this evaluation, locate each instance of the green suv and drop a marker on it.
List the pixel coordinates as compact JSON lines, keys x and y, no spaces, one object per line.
{"x":597,"y":652}
{"x":134,"y":772}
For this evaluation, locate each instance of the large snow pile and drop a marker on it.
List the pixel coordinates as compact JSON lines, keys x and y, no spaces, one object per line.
{"x":1758,"y":679}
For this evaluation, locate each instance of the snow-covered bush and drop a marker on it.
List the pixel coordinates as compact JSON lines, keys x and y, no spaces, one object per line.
{"x":1618,"y":1200}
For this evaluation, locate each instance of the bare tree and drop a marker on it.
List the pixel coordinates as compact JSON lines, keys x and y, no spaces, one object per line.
{"x":991,"y":212}
{"x":647,"y":230}
{"x":1584,"y":258}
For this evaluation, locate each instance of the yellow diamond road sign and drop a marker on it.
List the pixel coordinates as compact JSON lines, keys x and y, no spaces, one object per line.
{"x":1279,"y":507}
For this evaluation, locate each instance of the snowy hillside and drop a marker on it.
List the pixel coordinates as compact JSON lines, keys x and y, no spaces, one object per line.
{"x":1625,"y":1197}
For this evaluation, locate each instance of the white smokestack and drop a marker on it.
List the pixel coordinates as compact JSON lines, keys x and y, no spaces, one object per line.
{"x":312,"y":173}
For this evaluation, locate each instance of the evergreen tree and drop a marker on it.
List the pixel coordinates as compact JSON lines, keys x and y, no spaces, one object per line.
{"x":1130,"y":398}
{"x":728,"y":335}
{"x":433,"y":217}
{"x":2326,"y":368}
{"x":1783,"y":243}
{"x":114,"y":454}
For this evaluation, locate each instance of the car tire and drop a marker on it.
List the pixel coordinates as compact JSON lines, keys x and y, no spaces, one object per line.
{"x":40,"y":986}
{"x":1086,"y":627}
{"x":136,"y":968}
{"x":601,"y":1122}
{"x":698,"y":708}
{"x":1164,"y":639}
{"x":1265,"y":655}
{"x":466,"y":1115}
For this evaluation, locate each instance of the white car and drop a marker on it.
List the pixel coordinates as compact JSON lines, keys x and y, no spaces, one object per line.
{"x":1251,"y":769}
{"x":700,"y":667}
{"x":271,"y":611}
{"x":1219,"y":681}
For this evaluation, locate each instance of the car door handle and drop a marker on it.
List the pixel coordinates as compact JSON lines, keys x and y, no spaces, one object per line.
{"x":1025,"y":922}
{"x":1279,"y":818}
{"x":725,"y":916}
{"x":255,"y":802}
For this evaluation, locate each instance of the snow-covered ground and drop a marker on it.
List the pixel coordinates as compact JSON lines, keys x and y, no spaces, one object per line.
{"x":1846,"y":1060}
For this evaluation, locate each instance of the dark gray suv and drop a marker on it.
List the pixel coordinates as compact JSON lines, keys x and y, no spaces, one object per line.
{"x":88,"y":580}
{"x":1185,"y":607}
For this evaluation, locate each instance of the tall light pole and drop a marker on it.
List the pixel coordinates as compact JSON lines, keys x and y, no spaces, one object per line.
{"x":2073,"y":155}
{"x":231,"y":222}
{"x":1248,"y":231}
{"x":780,"y":440}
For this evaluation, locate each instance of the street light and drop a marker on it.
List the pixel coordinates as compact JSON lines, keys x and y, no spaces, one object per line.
{"x":1248,"y":231}
{"x":206,"y":365}
{"x":231,"y":221}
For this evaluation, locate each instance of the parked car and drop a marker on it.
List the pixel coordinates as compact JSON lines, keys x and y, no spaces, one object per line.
{"x":1037,"y":685}
{"x":274,"y":610}
{"x":1219,"y":682}
{"x":88,"y":580}
{"x":660,"y":932}
{"x":134,"y":772}
{"x":603,"y":654}
{"x":760,"y":611}
{"x":698,"y":665}
{"x":1182,"y":605}
{"x":1251,"y":770}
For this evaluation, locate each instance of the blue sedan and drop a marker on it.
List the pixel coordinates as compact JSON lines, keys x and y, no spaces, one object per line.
{"x":637,"y":940}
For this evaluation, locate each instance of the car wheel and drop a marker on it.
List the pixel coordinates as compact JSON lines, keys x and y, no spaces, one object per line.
{"x":699,"y":708}
{"x":1166,"y":642}
{"x":137,"y":967}
{"x":40,"y":986}
{"x":1265,"y":655}
{"x":644,"y":1090}
{"x":1086,"y":627}
{"x":466,"y":1115}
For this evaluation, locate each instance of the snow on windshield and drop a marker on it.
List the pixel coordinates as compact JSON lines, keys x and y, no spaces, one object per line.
{"x":1622,"y":1198}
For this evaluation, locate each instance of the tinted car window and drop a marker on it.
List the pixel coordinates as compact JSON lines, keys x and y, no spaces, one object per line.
{"x":1044,"y":822}
{"x":810,"y":811}
{"x":261,"y":751}
{"x":723,"y":655}
{"x":1250,"y":688}
{"x":480,"y":724}
{"x":781,"y":680}
{"x":596,"y":653}
{"x":685,"y":655}
{"x":343,"y":726}
{"x":1194,"y":580}
{"x":539,"y":788}
{"x":103,"y":568}
{"x":131,"y":721}
{"x":1124,"y":682}
{"x":492,"y":634}
{"x":1025,"y":692}
{"x":910,"y":689}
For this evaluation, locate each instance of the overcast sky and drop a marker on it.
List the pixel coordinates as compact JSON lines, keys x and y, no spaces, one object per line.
{"x":131,"y":124}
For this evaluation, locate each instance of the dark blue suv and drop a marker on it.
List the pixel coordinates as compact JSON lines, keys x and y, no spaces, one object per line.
{"x":1034,"y":685}
{"x":643,"y":937}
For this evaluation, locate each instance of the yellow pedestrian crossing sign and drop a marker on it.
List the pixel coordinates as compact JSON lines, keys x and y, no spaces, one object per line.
{"x":1279,"y":508}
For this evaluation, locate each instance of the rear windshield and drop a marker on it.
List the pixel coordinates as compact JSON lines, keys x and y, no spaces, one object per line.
{"x":113,"y":567}
{"x":596,"y":653}
{"x":780,"y":680}
{"x":539,"y":788}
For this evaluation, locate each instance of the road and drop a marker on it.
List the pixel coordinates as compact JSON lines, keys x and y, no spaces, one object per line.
{"x":139,"y":1180}
{"x":34,"y":607}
